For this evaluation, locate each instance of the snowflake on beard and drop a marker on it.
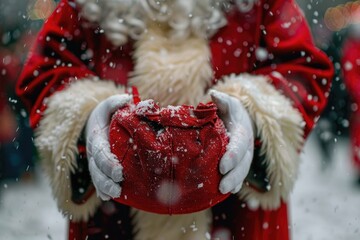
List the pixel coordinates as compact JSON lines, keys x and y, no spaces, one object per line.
{"x":124,"y":19}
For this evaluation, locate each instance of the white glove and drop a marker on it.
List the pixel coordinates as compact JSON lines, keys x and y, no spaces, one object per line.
{"x":104,"y":167}
{"x":236,"y":161}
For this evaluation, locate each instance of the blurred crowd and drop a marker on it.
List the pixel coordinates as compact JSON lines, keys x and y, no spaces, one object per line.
{"x":341,"y":43}
{"x":17,"y":32}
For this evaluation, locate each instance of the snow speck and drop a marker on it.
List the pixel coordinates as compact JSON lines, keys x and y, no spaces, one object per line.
{"x":239,"y":29}
{"x":175,"y":159}
{"x":294,"y":88}
{"x":62,"y":47}
{"x":144,"y":106}
{"x":169,"y":193}
{"x":348,"y":66}
{"x":276,"y":74}
{"x":324,"y":81}
{"x":158,"y":171}
{"x":265,"y":225}
{"x":253,"y":204}
{"x":237,"y":52}
{"x":193,"y":227}
{"x":345,"y":123}
{"x":286,"y":25}
{"x":200,"y":185}
{"x":223,"y":234}
{"x":261,"y":54}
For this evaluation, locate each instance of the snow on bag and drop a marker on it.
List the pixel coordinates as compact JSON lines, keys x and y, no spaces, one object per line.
{"x":170,"y":156}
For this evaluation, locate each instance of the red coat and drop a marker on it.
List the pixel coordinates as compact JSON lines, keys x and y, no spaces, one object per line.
{"x":351,"y":71}
{"x":69,"y":48}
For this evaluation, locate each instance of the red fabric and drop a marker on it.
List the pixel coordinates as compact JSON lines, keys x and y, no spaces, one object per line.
{"x":351,"y":71}
{"x":170,"y":156}
{"x":69,"y":48}
{"x":355,"y":139}
{"x":232,"y":219}
{"x":351,"y":67}
{"x":235,"y":220}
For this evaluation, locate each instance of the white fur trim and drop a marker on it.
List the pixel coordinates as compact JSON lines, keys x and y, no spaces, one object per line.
{"x":172,"y":74}
{"x":194,"y":226}
{"x":57,"y":136}
{"x":279,"y":126}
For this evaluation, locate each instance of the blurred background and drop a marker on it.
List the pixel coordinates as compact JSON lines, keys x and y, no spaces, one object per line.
{"x":326,"y":198}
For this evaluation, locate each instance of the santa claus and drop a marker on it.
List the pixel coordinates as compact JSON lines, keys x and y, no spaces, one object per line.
{"x":254,"y":58}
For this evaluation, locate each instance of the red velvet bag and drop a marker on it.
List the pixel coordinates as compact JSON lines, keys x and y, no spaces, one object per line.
{"x":170,"y":156}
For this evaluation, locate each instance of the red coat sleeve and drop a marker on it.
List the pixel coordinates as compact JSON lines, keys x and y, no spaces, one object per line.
{"x":54,"y":60}
{"x":283,"y":81}
{"x":305,"y":72}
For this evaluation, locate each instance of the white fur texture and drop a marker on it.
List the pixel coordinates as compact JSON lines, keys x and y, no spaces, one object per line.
{"x":172,"y":74}
{"x":194,"y":226}
{"x":279,"y":126}
{"x":57,"y":136}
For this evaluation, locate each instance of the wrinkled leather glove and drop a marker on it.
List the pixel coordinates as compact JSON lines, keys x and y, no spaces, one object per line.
{"x":104,"y":167}
{"x":236,"y":161}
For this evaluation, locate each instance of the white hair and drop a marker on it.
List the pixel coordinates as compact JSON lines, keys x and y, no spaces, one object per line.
{"x":122,"y":19}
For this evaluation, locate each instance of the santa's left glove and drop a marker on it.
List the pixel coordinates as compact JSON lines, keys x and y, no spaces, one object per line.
{"x":236,"y":161}
{"x":104,"y":167}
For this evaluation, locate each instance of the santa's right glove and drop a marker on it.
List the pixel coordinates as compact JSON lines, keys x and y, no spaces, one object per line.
{"x":104,"y":167}
{"x":235,"y":163}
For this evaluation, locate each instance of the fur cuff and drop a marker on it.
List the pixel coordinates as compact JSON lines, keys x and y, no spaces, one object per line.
{"x":279,"y":126}
{"x":57,"y":136}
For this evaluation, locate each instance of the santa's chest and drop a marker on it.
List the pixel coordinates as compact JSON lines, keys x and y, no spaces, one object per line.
{"x":234,"y":49}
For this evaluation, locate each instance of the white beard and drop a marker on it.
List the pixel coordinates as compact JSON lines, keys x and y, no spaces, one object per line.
{"x":122,"y":19}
